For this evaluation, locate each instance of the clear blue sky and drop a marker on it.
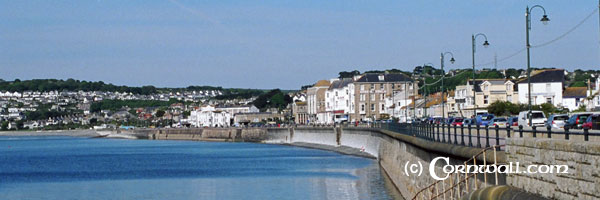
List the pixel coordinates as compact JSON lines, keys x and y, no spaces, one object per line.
{"x":276,"y":43}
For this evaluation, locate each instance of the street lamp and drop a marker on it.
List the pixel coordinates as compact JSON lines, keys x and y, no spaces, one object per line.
{"x":545,"y":21}
{"x":443,"y":74}
{"x":485,"y":45}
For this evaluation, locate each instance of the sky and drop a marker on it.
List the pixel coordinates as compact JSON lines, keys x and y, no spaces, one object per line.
{"x":279,"y":43}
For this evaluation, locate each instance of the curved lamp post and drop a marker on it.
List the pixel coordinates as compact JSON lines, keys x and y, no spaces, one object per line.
{"x":485,"y":44}
{"x":545,"y":21}
{"x":443,"y":74}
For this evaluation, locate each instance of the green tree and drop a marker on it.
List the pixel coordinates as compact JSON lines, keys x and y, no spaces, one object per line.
{"x":159,"y":113}
{"x":4,"y":125}
{"x":350,"y":74}
{"x":578,"y":84}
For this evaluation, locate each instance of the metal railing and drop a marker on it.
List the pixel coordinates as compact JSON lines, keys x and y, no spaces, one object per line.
{"x":458,"y":185}
{"x":470,"y":136}
{"x":481,"y":136}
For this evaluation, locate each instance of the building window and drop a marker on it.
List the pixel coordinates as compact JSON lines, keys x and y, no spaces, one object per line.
{"x":362,"y":97}
{"x":372,"y":107}
{"x":381,"y":97}
{"x":381,"y":86}
{"x":549,"y":100}
{"x":382,"y":107}
{"x":362,"y":107}
{"x":548,"y":87}
{"x":372,"y":86}
{"x":372,"y":97}
{"x":509,"y":98}
{"x":485,"y":87}
{"x":485,"y":99}
{"x":507,"y":87}
{"x":346,"y":91}
{"x":362,"y":87}
{"x":336,"y":93}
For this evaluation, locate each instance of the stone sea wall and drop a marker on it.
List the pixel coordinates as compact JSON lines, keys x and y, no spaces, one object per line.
{"x":583,"y":159}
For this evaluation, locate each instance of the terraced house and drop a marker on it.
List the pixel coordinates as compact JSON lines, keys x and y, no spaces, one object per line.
{"x":371,"y":91}
{"x":487,"y":91}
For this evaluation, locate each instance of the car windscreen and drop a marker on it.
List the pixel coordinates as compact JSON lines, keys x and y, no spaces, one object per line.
{"x":489,"y":117}
{"x":500,"y":120}
{"x":537,"y":115}
{"x":561,"y":117}
{"x":458,"y":120}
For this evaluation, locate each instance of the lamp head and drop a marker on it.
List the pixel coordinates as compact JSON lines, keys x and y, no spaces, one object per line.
{"x":486,"y":44}
{"x":452,"y":60}
{"x":545,"y":20}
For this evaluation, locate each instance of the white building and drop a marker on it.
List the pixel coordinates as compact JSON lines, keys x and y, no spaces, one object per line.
{"x":574,"y":97}
{"x":398,"y":103}
{"x":546,"y":87}
{"x":338,"y":101}
{"x":594,"y":104}
{"x":208,"y":116}
{"x":238,"y":109}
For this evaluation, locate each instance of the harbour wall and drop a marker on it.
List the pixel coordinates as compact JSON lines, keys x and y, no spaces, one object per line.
{"x":392,"y":150}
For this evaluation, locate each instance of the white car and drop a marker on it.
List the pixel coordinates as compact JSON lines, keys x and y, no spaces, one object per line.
{"x":538,"y":118}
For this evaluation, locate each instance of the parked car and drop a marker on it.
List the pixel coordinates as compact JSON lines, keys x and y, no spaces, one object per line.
{"x":449,"y":121}
{"x":499,"y":121}
{"x":592,"y":122}
{"x":538,"y":118}
{"x":468,"y":121}
{"x":513,"y":121}
{"x":483,"y":119}
{"x":457,"y":121}
{"x":576,"y":121}
{"x":557,"y":121}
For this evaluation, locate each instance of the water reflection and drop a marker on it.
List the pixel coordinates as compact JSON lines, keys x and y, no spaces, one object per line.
{"x":77,"y":168}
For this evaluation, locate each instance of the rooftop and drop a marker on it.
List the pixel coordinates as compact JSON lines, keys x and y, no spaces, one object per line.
{"x":575,"y":92}
{"x":393,"y":77}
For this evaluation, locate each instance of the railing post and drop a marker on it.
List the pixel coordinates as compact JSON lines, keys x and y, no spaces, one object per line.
{"x":455,"y":137}
{"x":462,"y":135}
{"x":566,"y":133}
{"x":497,"y":137}
{"x":487,"y":136}
{"x":437,"y":126}
{"x":478,"y":139}
{"x":534,"y":131}
{"x":443,"y":133}
{"x":549,"y":131}
{"x":520,"y":130}
{"x":430,"y":132}
{"x":586,"y":134}
{"x":508,"y":127}
{"x":470,"y":139}
{"x":449,"y":134}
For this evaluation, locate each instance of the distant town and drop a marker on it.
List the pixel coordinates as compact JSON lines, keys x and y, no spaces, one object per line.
{"x":352,"y":97}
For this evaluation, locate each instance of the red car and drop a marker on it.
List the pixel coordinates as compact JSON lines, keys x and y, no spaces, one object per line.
{"x":457,"y":122}
{"x":592,"y":122}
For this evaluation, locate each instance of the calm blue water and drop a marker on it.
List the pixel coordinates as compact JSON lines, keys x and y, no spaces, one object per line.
{"x":56,"y":167}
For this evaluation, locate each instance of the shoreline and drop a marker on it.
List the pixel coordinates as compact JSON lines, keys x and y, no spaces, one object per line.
{"x":74,"y":133}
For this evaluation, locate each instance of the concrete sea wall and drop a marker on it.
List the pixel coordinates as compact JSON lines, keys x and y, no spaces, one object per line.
{"x":392,"y":150}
